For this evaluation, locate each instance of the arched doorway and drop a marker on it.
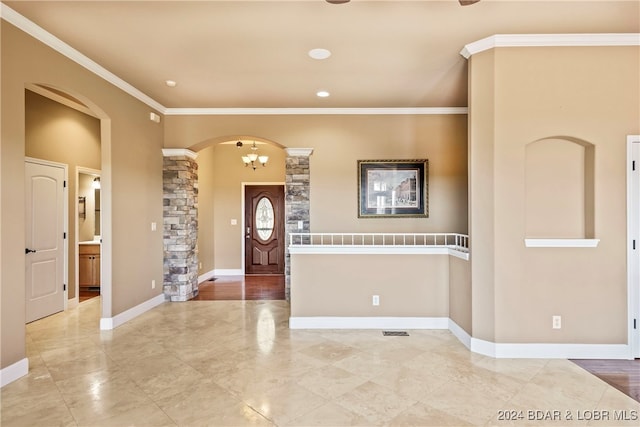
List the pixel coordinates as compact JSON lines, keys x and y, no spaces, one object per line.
{"x":93,"y":126}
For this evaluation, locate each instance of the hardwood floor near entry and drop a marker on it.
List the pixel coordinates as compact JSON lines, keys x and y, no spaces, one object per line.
{"x":621,"y":374}
{"x":242,"y":288}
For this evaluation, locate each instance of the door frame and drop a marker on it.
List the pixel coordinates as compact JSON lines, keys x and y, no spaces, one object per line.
{"x":87,"y":171}
{"x":243,"y":209}
{"x":65,"y":221}
{"x":633,"y":256}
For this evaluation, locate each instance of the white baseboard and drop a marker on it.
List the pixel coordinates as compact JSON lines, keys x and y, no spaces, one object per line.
{"x":495,"y":350}
{"x":206,"y":276}
{"x":550,"y":351}
{"x":330,"y":322}
{"x":107,"y":323}
{"x":13,"y":372}
{"x":228,"y":272}
{"x":462,"y":335}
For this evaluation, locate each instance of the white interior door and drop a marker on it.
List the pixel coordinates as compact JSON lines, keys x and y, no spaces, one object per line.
{"x":45,"y":251}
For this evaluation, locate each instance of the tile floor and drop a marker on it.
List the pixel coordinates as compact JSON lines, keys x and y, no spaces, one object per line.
{"x":236,"y":363}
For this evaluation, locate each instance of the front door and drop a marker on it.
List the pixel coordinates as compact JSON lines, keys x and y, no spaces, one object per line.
{"x":264,"y":229}
{"x":45,"y":253}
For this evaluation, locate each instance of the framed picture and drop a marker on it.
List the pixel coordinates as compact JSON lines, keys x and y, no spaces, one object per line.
{"x":393,"y":188}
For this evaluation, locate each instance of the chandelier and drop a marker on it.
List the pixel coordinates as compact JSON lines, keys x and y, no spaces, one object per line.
{"x":252,"y":159}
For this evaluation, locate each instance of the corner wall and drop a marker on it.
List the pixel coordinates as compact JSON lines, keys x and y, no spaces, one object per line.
{"x":131,"y":174}
{"x":521,"y":95}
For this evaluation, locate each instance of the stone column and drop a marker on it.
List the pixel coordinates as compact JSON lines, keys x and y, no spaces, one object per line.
{"x":180,"y":218}
{"x":297,"y":182}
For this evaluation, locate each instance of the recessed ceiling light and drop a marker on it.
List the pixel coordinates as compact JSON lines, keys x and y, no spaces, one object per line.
{"x":322,"y":93}
{"x":171,"y":83}
{"x":319,"y":53}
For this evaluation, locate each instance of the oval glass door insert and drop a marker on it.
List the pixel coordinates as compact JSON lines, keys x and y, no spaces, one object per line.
{"x":264,"y":218}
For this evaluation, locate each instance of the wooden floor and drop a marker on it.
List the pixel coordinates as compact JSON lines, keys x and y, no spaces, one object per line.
{"x":87,"y":294}
{"x":621,"y":374}
{"x":242,"y":288}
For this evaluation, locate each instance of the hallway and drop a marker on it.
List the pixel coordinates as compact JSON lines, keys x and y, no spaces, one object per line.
{"x":237,"y":363}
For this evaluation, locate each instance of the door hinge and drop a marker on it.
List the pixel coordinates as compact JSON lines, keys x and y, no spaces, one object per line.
{"x":65,"y":287}
{"x":634,"y":244}
{"x":635,"y":326}
{"x":64,"y":184}
{"x":633,"y":165}
{"x":64,"y":235}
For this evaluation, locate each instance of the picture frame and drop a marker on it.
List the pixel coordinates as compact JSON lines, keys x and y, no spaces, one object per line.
{"x":393,"y":188}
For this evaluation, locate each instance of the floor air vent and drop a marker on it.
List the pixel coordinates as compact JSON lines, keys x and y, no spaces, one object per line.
{"x":395,"y":333}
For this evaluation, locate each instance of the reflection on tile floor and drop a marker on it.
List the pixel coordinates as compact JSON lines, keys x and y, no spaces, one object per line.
{"x":236,"y":363}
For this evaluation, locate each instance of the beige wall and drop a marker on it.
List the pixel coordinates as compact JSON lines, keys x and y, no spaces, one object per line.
{"x":460,"y":293}
{"x":521,"y":95}
{"x":338,"y":143}
{"x":61,"y":134}
{"x":131,"y":179}
{"x":481,"y":198}
{"x":343,"y":285}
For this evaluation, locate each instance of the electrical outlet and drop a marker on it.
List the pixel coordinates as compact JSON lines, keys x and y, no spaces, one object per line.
{"x":556,"y":322}
{"x":153,"y":226}
{"x":376,"y":300}
{"x":200,"y":265}
{"x":153,"y":284}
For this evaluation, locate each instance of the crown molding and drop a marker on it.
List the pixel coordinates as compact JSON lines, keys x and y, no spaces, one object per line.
{"x":179,"y":152}
{"x":299,"y":152}
{"x":37,"y":32}
{"x":543,"y":40}
{"x":313,"y":111}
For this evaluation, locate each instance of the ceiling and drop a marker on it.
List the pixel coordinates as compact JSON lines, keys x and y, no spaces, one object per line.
{"x":254,"y":54}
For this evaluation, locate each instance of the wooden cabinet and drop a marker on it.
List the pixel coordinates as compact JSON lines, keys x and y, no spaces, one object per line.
{"x":89,"y":266}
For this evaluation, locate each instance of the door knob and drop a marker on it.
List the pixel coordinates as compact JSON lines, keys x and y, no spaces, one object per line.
{"x":27,"y":250}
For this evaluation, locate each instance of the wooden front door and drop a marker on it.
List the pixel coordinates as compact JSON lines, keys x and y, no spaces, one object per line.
{"x":264,"y":229}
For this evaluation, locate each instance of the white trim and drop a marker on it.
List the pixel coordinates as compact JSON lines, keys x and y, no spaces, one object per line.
{"x":633,"y":258}
{"x":107,"y":323}
{"x":462,"y":335}
{"x":487,"y":348}
{"x":44,"y":91}
{"x":206,"y":276}
{"x":313,"y":111}
{"x":228,"y":272}
{"x":94,"y":172}
{"x":58,"y":45}
{"x":331,"y":322}
{"x":543,"y":40}
{"x":376,"y":250}
{"x":561,"y":243}
{"x":14,"y":372}
{"x":549,"y":351}
{"x":179,"y":152}
{"x":299,"y":152}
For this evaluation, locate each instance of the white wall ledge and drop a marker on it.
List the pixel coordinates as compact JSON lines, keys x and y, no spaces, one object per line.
{"x":561,"y":243}
{"x":376,"y":250}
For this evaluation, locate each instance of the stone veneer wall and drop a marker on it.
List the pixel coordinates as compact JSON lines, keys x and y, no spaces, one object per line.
{"x":297,"y":183}
{"x":180,"y":219}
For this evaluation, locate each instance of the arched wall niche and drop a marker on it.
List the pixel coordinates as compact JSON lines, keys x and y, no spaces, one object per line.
{"x":559,"y":188}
